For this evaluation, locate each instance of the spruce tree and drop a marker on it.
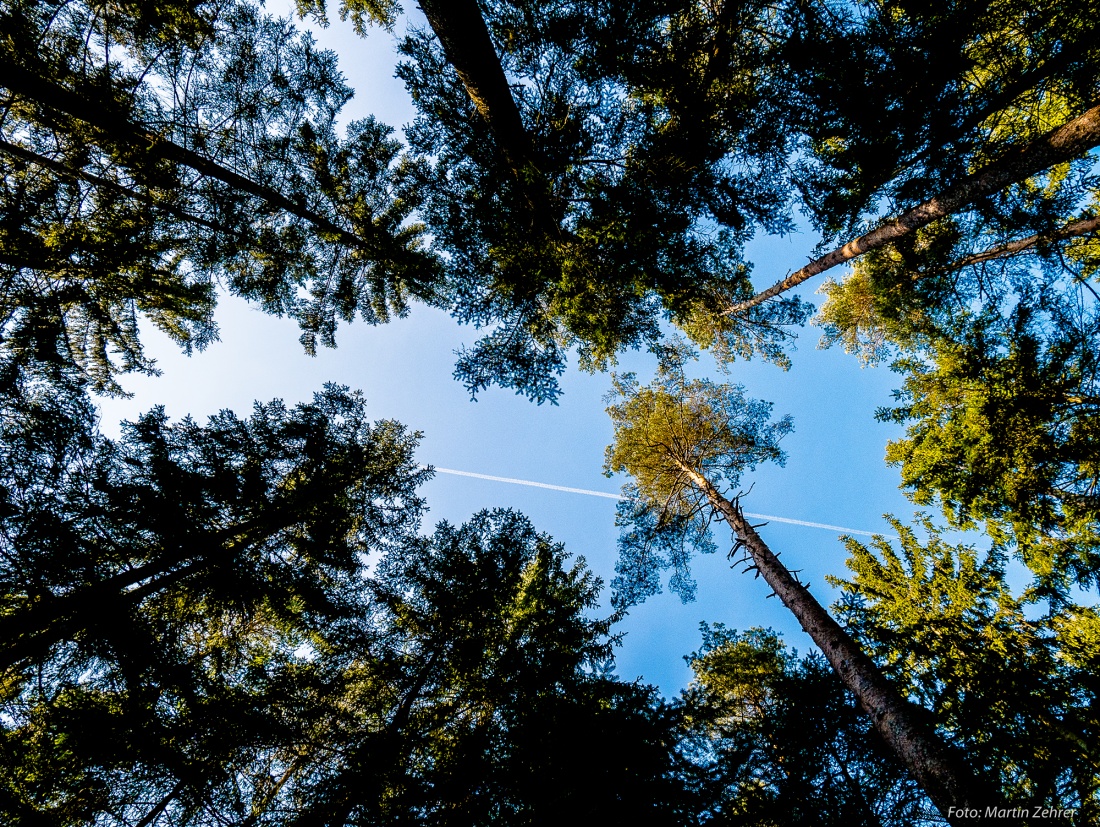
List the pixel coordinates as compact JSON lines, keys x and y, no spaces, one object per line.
{"x":154,"y":153}
{"x":681,"y":440}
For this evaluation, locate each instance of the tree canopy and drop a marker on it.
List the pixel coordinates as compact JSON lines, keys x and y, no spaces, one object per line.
{"x":1017,"y":686}
{"x":241,"y":621}
{"x":154,"y":153}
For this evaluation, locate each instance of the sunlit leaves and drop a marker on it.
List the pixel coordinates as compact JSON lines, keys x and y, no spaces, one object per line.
{"x":670,"y":435}
{"x":1013,"y":684}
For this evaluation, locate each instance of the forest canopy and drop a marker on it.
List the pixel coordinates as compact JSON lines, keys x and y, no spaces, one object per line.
{"x":246,"y":620}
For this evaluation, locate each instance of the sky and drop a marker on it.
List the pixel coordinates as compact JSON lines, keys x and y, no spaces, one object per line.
{"x":834,"y":474}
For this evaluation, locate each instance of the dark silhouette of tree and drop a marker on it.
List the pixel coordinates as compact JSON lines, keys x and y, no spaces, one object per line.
{"x":490,"y":699}
{"x":154,"y":152}
{"x":789,"y":743}
{"x":157,"y":588}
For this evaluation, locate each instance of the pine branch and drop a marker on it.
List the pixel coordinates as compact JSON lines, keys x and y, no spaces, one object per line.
{"x":116,"y":126}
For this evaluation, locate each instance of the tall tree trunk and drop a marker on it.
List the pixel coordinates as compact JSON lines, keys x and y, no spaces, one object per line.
{"x":1058,"y":146}
{"x":902,"y":725}
{"x":465,"y":39}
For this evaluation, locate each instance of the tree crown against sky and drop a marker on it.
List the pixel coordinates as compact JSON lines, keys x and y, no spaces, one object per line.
{"x":1017,"y":686}
{"x":664,"y":432}
{"x":682,"y":443}
{"x":158,"y":590}
{"x":155,"y":153}
{"x":652,"y":142}
{"x":702,"y":122}
{"x":239,"y":621}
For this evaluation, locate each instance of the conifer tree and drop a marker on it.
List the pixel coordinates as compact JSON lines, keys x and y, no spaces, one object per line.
{"x":156,"y":152}
{"x":651,"y":141}
{"x":789,"y":744}
{"x":679,"y":440}
{"x":156,"y":590}
{"x":487,"y":697}
{"x":1016,"y":685}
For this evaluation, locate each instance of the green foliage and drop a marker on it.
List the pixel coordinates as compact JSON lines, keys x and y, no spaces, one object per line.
{"x":787,"y":744}
{"x":1016,"y":687}
{"x":1002,"y":430}
{"x":363,"y":13}
{"x":664,"y":134}
{"x":236,"y":622}
{"x":157,"y":591}
{"x":895,"y":100}
{"x":489,"y":702}
{"x":669,"y":435}
{"x":646,"y":199}
{"x":138,"y":143}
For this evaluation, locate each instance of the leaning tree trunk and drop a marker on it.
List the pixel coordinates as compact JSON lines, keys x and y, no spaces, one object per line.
{"x":942,"y":774}
{"x":1058,"y":146}
{"x":465,"y":39}
{"x":115,"y":126}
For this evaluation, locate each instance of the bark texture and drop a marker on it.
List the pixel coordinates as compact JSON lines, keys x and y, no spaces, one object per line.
{"x":941,"y":773}
{"x":1058,"y":146}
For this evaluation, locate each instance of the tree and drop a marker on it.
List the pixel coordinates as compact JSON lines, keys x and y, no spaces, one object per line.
{"x":788,"y":743}
{"x":972,"y":240}
{"x":635,"y":133}
{"x":600,"y":216}
{"x":998,"y":353}
{"x":155,"y":150}
{"x":490,"y":699}
{"x":679,"y":440}
{"x":1016,"y":686}
{"x":157,"y":590}
{"x":451,"y":685}
{"x":1005,"y":92}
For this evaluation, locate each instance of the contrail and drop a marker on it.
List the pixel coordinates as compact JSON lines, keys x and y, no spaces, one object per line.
{"x":590,"y":493}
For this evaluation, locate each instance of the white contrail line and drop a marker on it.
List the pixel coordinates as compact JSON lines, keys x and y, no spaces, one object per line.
{"x":590,"y":493}
{"x":531,"y":483}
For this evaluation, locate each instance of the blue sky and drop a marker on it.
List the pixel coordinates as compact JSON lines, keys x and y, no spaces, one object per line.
{"x":835,"y":473}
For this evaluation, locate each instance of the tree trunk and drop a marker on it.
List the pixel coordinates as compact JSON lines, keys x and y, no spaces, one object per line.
{"x":465,"y":39}
{"x":1073,"y":229}
{"x":118,"y":127}
{"x":1058,"y":146}
{"x":942,"y":774}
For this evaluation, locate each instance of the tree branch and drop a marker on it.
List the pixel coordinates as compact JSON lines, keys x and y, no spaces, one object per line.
{"x":105,"y":183}
{"x":118,"y":127}
{"x":1082,"y":226}
{"x":1062,"y":144}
